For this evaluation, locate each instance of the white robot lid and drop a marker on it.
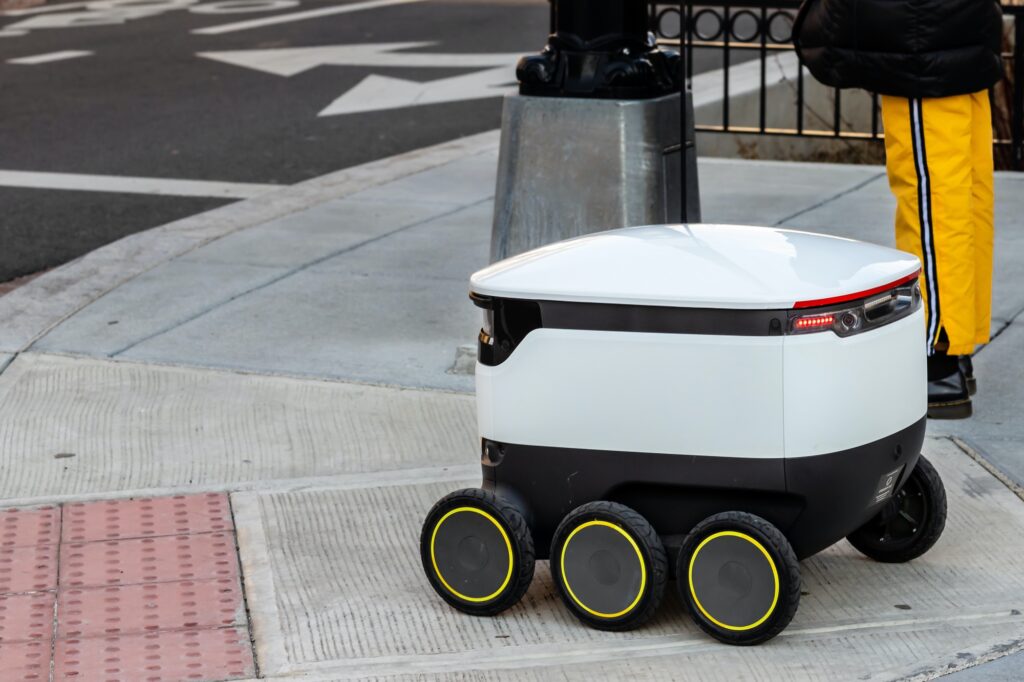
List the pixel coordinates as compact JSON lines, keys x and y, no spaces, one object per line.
{"x":699,"y":266}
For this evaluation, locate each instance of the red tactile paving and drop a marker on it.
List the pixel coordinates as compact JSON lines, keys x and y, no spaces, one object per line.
{"x":29,"y":527}
{"x":149,"y":560}
{"x":119,"y":519}
{"x":107,"y":611}
{"x":25,"y":661}
{"x":28,"y":569}
{"x":26,"y":617}
{"x":157,"y":657}
{"x":149,"y":590}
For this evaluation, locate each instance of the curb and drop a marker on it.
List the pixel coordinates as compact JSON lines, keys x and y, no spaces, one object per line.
{"x":31,"y":311}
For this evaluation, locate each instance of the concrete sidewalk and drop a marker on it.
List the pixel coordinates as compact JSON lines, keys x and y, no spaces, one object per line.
{"x":298,"y":352}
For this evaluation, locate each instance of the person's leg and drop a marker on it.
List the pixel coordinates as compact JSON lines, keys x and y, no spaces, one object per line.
{"x":929,"y":163}
{"x":982,"y":213}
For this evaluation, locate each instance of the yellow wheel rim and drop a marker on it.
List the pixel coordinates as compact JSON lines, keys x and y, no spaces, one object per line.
{"x":775,"y":576}
{"x":639,"y":557}
{"x":508,"y":547}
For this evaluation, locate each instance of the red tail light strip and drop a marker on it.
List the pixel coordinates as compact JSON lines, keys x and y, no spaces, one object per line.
{"x":817,"y":303}
{"x":814,"y":322}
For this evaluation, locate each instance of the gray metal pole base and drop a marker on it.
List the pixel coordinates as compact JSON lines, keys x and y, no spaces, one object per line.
{"x":573,"y":166}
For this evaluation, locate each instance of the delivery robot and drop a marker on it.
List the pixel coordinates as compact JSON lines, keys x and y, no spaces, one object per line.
{"x":711,"y":403}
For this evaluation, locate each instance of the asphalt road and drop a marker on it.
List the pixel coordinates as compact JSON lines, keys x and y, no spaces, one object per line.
{"x":127,"y":90}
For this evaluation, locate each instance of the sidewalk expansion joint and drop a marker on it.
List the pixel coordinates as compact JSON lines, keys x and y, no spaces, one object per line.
{"x":999,"y":332}
{"x":451,"y":473}
{"x":825,"y":202}
{"x":245,"y":596}
{"x":975,"y":453}
{"x":7,"y":362}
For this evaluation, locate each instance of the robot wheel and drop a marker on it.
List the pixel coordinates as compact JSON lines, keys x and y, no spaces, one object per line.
{"x":609,"y":566}
{"x":477,"y":552}
{"x":910,"y":523}
{"x":739,"y":577}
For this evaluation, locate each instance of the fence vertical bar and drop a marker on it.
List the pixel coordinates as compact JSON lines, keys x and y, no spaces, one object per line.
{"x":799,"y":98}
{"x":726,"y":32}
{"x":764,"y":65}
{"x":1017,"y":123}
{"x":689,"y":39}
{"x":874,"y":116}
{"x":837,"y":114}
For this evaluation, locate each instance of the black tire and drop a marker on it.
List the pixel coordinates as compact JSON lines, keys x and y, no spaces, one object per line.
{"x":910,"y":523}
{"x":609,"y":566}
{"x":739,"y":577}
{"x":477,"y":552}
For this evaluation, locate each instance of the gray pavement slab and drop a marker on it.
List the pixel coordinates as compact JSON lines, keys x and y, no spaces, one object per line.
{"x":185,"y":288}
{"x":339,"y":338}
{"x":302,"y":238}
{"x":154,"y":301}
{"x":452,"y":247}
{"x":771,"y":192}
{"x":996,"y":429}
{"x":463,"y":181}
{"x":135,"y":427}
{"x":393,"y":311}
{"x":864,"y":213}
{"x":337,"y":592}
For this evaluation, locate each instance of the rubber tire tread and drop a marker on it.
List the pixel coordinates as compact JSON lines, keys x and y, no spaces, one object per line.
{"x":787,"y":566}
{"x":937,"y":510}
{"x":519,"y":534}
{"x":650,"y":546}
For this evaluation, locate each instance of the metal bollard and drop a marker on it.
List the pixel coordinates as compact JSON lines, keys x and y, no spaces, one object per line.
{"x":593,"y":139}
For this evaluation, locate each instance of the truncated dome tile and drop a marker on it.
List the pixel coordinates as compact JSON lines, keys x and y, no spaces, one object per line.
{"x":28,"y":569}
{"x":148,"y":517}
{"x":168,"y":656}
{"x":25,"y":661}
{"x":149,"y":560}
{"x":107,"y":611}
{"x":26,"y":617}
{"x":29,"y":527}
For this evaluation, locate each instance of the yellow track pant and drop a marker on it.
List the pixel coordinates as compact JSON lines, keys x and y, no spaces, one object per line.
{"x":939,"y":160}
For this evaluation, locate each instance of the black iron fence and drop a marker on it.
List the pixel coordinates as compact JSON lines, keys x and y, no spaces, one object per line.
{"x":751,"y":41}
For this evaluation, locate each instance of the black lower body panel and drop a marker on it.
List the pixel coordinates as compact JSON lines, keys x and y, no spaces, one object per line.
{"x":815,"y":501}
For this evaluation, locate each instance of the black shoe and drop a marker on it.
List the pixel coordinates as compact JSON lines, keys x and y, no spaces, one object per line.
{"x":949,"y":397}
{"x":967,"y":367}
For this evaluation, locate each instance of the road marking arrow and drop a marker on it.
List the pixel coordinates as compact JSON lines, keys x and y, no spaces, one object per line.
{"x":375,"y":92}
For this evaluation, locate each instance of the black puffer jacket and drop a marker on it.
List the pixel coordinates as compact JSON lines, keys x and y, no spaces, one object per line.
{"x":907,"y":48}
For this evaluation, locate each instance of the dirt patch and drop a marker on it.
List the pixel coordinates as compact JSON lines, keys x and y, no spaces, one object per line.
{"x":20,"y":4}
{"x":11,"y":285}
